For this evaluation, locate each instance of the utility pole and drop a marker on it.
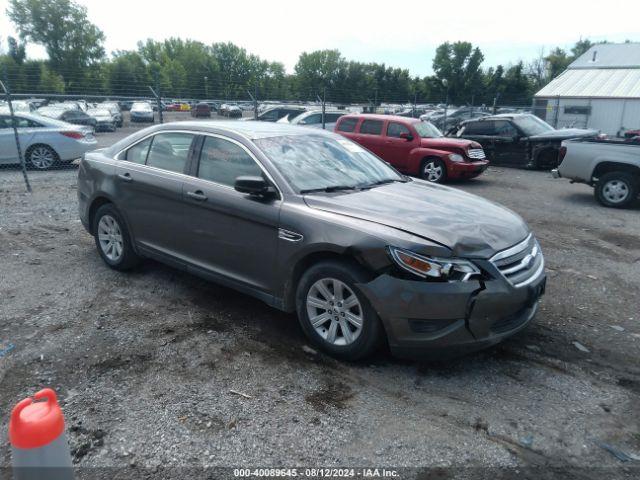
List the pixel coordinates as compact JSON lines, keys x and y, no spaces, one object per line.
{"x":14,"y":123}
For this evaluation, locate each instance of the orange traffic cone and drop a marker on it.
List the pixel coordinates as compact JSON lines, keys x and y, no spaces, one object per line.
{"x":38,"y":443}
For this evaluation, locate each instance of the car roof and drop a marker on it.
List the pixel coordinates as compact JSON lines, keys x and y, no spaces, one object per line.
{"x":509,"y":116}
{"x":381,"y":117}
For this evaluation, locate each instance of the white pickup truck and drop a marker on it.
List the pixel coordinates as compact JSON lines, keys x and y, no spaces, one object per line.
{"x":612,"y":167}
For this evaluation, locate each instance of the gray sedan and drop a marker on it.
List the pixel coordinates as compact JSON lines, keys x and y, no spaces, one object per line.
{"x":312,"y":223}
{"x":45,"y":142}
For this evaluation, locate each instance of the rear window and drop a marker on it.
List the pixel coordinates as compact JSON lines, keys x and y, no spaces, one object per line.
{"x":371,"y":127}
{"x":347,"y":125}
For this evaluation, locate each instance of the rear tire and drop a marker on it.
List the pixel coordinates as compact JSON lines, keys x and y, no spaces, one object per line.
{"x":334,"y":314}
{"x":433,"y":170}
{"x":112,"y":239}
{"x":42,"y":157}
{"x":616,"y":189}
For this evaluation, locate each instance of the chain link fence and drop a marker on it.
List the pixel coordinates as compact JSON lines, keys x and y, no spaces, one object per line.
{"x":43,"y":133}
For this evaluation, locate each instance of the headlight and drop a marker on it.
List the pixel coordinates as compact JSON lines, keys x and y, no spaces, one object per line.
{"x":453,"y":269}
{"x":454,"y":157}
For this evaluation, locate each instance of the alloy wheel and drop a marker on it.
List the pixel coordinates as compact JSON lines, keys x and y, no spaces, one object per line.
{"x":615,"y":191}
{"x":432,"y":171}
{"x":110,"y":237}
{"x":42,"y":158}
{"x":334,"y":311}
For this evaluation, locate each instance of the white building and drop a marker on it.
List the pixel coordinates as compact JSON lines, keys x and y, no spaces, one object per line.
{"x":600,"y":90}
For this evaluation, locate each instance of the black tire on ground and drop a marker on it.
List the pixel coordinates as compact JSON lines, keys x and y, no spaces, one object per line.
{"x":129,"y":258}
{"x":41,"y":157}
{"x":617,"y":189}
{"x":433,"y":164}
{"x":350,"y":274}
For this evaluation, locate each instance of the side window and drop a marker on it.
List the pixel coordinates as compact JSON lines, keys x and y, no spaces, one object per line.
{"x":271,"y":115}
{"x":222,"y":161}
{"x":371,"y":127}
{"x":5,"y":122}
{"x":169,"y":151}
{"x":505,"y":129}
{"x":332,"y":117}
{"x":479,"y":128}
{"x":138,"y":153}
{"x":347,"y":125}
{"x":313,"y":119}
{"x":396,"y":129}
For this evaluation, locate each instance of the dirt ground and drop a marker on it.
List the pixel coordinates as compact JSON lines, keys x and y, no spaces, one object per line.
{"x":159,"y":368}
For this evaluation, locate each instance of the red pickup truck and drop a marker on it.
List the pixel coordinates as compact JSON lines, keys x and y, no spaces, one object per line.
{"x":414,"y":147}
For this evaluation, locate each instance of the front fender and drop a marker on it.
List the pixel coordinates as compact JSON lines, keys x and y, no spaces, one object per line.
{"x":418,"y":154}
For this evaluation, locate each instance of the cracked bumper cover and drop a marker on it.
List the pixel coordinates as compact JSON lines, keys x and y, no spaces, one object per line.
{"x":437,"y":319}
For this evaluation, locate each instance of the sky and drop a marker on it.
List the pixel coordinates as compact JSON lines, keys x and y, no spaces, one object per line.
{"x":401,"y":34}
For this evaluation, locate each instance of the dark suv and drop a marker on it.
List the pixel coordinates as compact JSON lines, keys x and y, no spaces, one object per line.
{"x":310,"y":222}
{"x":522,"y":140}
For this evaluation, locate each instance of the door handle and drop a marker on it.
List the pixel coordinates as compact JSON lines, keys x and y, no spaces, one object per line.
{"x":125,"y":177}
{"x":197,"y":195}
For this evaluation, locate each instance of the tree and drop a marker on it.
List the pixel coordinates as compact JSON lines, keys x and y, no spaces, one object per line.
{"x":318,"y":70}
{"x":459,"y":65}
{"x":62,"y":27}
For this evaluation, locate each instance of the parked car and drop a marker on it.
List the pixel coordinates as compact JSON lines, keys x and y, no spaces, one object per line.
{"x":142,"y":112}
{"x":104,"y":119}
{"x":125,"y":105}
{"x":76,"y":117}
{"x":274,"y":114}
{"x":201,"y":109}
{"x":230,"y":110}
{"x":414,"y":147}
{"x":313,"y":118}
{"x":116,"y":113}
{"x":519,"y":140}
{"x":45,"y":142}
{"x":612,"y":167}
{"x":310,"y":222}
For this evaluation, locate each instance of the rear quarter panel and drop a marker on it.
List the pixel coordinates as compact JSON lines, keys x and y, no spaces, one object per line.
{"x":95,"y":179}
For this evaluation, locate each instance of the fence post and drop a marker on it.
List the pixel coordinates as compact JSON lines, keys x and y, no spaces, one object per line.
{"x":324,"y":103}
{"x":255,"y":102}
{"x":555,"y":119}
{"x":159,"y":99}
{"x":14,"y":123}
{"x":495,"y":103}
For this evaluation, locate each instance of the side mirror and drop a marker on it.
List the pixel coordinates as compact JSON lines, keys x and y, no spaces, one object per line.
{"x":256,"y":186}
{"x":407,"y":136}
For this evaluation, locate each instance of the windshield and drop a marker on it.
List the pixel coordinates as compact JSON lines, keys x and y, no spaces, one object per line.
{"x":532,"y":125}
{"x":427,"y":130}
{"x":317,"y":162}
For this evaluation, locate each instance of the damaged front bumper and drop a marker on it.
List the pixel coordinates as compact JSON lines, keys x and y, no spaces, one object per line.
{"x":436,"y":320}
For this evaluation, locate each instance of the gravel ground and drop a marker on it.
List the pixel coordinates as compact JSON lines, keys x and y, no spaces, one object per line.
{"x":159,"y":368}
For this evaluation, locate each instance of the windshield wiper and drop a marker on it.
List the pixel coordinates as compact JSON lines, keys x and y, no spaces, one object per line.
{"x":329,"y":189}
{"x":385,"y":182}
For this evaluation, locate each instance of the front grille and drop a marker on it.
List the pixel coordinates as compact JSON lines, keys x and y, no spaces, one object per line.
{"x":521,"y":264}
{"x":477,"y":154}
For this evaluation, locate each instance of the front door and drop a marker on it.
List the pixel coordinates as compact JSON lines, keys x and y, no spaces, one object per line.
{"x":510,"y":146}
{"x":230,"y":233}
{"x":397,"y":145}
{"x":149,"y":182}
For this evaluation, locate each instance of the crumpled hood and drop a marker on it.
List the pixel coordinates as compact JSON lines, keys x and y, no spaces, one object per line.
{"x":448,"y":144}
{"x":565,"y":134}
{"x":467,"y":224}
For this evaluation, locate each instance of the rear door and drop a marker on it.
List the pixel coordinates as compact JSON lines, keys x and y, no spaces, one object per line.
{"x":370,"y":136}
{"x":230,"y":234}
{"x":483,"y":132}
{"x":149,"y":182}
{"x":396,"y":149}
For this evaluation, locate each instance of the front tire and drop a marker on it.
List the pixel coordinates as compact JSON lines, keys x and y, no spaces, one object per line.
{"x":433,"y":170}
{"x":616,"y":189}
{"x":113,"y":240}
{"x":334,"y":314}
